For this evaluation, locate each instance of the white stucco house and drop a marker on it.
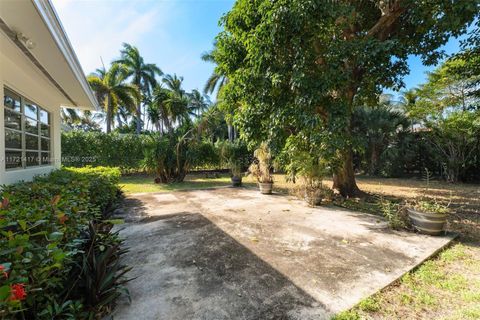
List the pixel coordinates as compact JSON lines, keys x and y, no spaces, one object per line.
{"x":39,"y":74}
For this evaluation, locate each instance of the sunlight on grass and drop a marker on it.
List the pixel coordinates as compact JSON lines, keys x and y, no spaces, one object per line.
{"x":453,"y":276}
{"x":141,"y":184}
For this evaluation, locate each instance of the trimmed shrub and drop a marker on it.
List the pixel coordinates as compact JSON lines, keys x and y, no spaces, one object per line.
{"x":124,"y":151}
{"x":46,"y":236}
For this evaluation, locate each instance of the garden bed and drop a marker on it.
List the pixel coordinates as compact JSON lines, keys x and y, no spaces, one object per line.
{"x":59,"y":256}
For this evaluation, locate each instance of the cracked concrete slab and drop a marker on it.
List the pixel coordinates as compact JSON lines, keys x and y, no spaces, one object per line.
{"x":236,"y":254}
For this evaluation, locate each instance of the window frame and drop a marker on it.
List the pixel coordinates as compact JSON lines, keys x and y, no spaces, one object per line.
{"x":23,"y":133}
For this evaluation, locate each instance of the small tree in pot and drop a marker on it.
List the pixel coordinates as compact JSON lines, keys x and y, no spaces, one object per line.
{"x":232,"y":155}
{"x":260,"y":168}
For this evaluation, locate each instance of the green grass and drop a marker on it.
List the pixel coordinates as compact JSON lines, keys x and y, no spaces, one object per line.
{"x":447,"y":287}
{"x":140,"y":184}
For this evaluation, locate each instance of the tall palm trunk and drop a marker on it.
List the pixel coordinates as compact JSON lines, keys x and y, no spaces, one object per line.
{"x":139,"y":119}
{"x":109,"y":114}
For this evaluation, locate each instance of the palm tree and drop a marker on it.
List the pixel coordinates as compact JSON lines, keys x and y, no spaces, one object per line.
{"x":112,"y":91}
{"x":174,"y":83}
{"x":217,"y":81}
{"x":69,"y":116}
{"x":158,"y":109}
{"x":142,"y":75}
{"x":198,"y":103}
{"x":378,"y":127}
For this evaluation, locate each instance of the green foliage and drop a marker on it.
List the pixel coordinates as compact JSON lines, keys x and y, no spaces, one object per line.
{"x":43,"y":225}
{"x":261,"y":166}
{"x":447,"y":110}
{"x":431,"y":207}
{"x":302,"y":66}
{"x":380,"y":131}
{"x":394,"y":213}
{"x":112,"y":91}
{"x":100,"y":149}
{"x":234,"y":155}
{"x":171,"y":157}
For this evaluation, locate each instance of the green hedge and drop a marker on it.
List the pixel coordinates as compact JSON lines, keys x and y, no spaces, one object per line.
{"x":132,"y":153}
{"x":81,"y":148}
{"x":52,"y":228}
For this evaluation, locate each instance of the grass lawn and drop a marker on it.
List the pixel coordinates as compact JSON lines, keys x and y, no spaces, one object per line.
{"x":143,"y":183}
{"x":446,"y":287}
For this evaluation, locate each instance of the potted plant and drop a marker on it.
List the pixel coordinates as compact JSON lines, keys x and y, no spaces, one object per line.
{"x":260,"y":168}
{"x":428,"y":217}
{"x":236,"y":170}
{"x":231,"y":155}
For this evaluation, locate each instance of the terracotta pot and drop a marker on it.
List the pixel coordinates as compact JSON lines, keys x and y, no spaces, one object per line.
{"x":265,"y":187}
{"x":236,"y":181}
{"x":426,"y":222}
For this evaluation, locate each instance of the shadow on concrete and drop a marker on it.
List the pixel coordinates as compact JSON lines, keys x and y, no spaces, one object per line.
{"x":188,"y":268}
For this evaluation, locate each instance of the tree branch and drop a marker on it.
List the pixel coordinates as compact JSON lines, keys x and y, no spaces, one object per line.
{"x":390,"y":13}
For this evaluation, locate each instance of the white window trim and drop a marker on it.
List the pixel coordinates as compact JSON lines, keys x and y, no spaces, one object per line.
{"x":24,"y":133}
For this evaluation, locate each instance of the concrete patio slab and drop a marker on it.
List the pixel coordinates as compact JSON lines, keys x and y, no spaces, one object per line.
{"x":236,"y":254}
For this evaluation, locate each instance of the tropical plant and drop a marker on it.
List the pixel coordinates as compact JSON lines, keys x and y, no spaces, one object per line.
{"x":260,"y":168}
{"x":198,"y":103}
{"x":46,"y":225}
{"x":216,"y":82}
{"x":112,"y":91}
{"x":142,"y":75}
{"x":303,"y":66}
{"x":377,"y":129}
{"x":232,"y":154}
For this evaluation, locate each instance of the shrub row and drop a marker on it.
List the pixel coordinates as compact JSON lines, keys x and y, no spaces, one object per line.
{"x":81,"y":148}
{"x":133,"y":153}
{"x":59,"y":257}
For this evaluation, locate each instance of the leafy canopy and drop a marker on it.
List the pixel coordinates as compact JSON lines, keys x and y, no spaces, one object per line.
{"x":299,"y":67}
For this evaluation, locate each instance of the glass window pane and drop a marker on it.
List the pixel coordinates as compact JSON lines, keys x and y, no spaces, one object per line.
{"x":13,"y":159}
{"x":45,"y":158}
{"x":44,"y":116}
{"x":32,"y":159}
{"x":13,"y":139}
{"x":31,"y":142}
{"x":13,"y":120}
{"x":31,"y":126}
{"x":11,"y":100}
{"x":31,"y":110}
{"x":45,"y":130}
{"x":45,"y":144}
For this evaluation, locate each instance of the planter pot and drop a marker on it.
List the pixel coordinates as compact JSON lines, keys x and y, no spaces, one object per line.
{"x":265,"y":188}
{"x":236,"y":181}
{"x":427,"y":223}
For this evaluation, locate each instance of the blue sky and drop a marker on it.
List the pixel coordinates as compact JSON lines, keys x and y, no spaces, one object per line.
{"x":171,"y":33}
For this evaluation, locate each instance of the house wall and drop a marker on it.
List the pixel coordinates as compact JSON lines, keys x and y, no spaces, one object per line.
{"x":19,"y":74}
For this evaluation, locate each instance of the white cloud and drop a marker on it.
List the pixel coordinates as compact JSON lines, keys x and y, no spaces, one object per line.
{"x":98,"y":28}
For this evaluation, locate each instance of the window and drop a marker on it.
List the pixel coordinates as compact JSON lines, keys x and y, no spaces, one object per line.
{"x":27,"y":132}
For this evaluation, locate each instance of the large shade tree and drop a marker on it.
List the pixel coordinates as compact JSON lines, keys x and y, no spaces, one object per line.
{"x":142,"y":75}
{"x":300,"y":67}
{"x":113,"y":91}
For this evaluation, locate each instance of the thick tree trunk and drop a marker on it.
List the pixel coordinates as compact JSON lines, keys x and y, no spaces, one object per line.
{"x":344,"y":176}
